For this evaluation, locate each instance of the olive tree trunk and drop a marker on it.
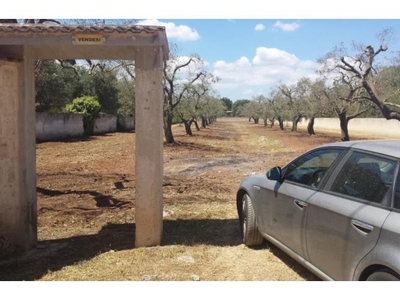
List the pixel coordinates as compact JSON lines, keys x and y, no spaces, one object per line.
{"x":280,"y":121}
{"x":187,"y":128}
{"x":295,"y":121}
{"x":344,"y":127}
{"x":169,"y":137}
{"x":310,"y":126}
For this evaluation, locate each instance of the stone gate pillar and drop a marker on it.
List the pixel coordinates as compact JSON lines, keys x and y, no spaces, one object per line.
{"x":18,"y":216}
{"x":149,"y":146}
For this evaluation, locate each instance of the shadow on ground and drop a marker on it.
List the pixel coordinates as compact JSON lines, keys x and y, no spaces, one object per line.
{"x":101,"y":199}
{"x":53,"y":255}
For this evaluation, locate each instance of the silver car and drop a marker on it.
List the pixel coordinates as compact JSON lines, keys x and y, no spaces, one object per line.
{"x":335,"y":209}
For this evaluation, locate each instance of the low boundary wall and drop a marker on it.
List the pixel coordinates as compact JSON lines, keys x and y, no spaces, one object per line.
{"x":60,"y":126}
{"x":105,"y":124}
{"x":387,"y":129}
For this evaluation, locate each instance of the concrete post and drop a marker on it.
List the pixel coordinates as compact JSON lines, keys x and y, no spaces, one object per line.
{"x":18,"y":214}
{"x":149,"y":147}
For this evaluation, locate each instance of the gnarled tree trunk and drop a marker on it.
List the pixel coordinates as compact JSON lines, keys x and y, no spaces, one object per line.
{"x":344,"y":127}
{"x":169,"y":137}
{"x":310,"y":126}
{"x":196,"y":124}
{"x":280,"y":120}
{"x":204,"y":122}
{"x":272,"y":122}
{"x":295,"y":121}
{"x":187,"y":128}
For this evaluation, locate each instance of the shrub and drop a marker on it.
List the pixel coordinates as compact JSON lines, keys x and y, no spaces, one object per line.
{"x":90,"y":108}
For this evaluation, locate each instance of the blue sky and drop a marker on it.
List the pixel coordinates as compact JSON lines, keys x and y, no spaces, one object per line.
{"x":253,"y":55}
{"x":249,"y":46}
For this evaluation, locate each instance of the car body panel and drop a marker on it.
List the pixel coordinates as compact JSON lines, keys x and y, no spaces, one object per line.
{"x":340,"y":232}
{"x":386,"y":252}
{"x":287,"y":209}
{"x":335,"y":235}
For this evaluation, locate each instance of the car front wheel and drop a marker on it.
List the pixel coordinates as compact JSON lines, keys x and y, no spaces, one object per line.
{"x":384,"y":275}
{"x":251,"y":235}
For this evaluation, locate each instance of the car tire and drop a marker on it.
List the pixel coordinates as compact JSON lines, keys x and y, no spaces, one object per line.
{"x":251,"y":235}
{"x":384,"y":275}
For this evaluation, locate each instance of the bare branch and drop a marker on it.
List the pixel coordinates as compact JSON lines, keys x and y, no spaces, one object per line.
{"x":355,"y":115}
{"x":349,"y":67}
{"x":186,"y":87}
{"x":393,"y":104}
{"x":67,"y":66}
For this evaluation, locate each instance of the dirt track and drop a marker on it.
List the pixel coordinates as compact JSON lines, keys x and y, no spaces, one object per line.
{"x":86,"y":188}
{"x":84,"y":184}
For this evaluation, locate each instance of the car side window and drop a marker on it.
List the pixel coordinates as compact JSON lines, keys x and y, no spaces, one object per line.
{"x":365,"y":176}
{"x":311,"y":168}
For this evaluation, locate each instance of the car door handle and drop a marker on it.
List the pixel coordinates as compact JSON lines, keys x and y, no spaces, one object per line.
{"x":256,"y":187}
{"x":363,"y":227}
{"x":300,"y":204}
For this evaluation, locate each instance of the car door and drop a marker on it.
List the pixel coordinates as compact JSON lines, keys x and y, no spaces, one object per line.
{"x":285,"y":202}
{"x":344,"y":221}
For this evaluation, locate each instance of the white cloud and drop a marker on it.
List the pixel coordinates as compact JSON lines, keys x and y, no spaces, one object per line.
{"x":259,"y":27}
{"x":245,"y":78}
{"x":286,"y":26}
{"x":180,"y":32}
{"x":273,"y":56}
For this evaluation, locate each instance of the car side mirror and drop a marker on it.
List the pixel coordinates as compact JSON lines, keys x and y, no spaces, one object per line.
{"x":275,"y":173}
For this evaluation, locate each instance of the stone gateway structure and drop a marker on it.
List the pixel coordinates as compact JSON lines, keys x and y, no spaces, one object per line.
{"x":20,"y":46}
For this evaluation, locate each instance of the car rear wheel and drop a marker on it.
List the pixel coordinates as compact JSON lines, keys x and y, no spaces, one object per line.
{"x":251,"y":235}
{"x":383,"y":275}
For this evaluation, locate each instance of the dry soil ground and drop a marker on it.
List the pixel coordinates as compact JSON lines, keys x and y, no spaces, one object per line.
{"x":86,"y":208}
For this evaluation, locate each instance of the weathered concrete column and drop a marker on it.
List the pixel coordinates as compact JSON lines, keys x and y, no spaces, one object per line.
{"x":18,"y":216}
{"x":149,"y":147}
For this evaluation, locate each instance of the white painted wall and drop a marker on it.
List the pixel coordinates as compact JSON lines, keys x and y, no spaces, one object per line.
{"x":58,"y":126}
{"x":126,"y":123}
{"x":365,"y":126}
{"x":107,"y":123}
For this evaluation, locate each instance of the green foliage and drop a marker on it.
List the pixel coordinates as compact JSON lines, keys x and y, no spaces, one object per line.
{"x":387,"y":84}
{"x":106,"y":91}
{"x":101,"y":85}
{"x":57,"y":84}
{"x":126,"y":97}
{"x":90,"y":108}
{"x":237,"y":107}
{"x":227,"y":102}
{"x":54,"y":86}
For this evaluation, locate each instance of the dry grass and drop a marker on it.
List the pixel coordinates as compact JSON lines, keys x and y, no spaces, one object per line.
{"x":86,"y":208}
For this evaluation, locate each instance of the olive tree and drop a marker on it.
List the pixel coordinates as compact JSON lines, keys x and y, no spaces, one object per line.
{"x":180,"y":73}
{"x":253,"y":109}
{"x":358,"y":67}
{"x":298,"y":99}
